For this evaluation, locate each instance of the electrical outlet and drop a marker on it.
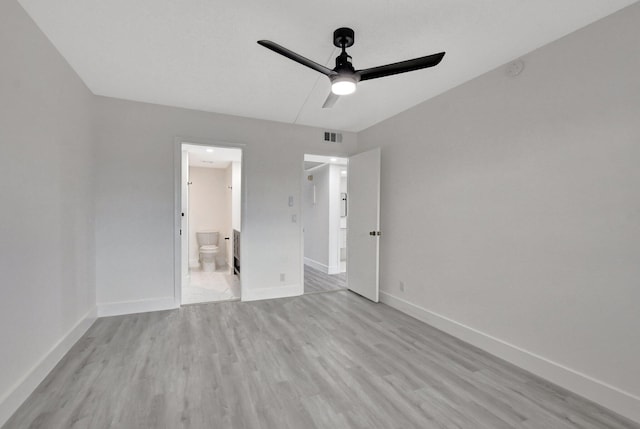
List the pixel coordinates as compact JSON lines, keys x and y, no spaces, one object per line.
{"x":282,"y":277}
{"x":291,"y":201}
{"x":401,"y":284}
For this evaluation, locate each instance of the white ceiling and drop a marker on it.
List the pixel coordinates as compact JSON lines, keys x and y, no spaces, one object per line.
{"x":202,"y":54}
{"x":211,"y":157}
{"x":313,"y":161}
{"x":323,"y":159}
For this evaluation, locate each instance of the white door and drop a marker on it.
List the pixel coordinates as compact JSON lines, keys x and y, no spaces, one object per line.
{"x":363,"y":230}
{"x":184,"y":224}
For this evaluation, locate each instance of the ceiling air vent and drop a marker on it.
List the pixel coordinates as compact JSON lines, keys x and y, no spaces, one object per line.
{"x":332,"y":137}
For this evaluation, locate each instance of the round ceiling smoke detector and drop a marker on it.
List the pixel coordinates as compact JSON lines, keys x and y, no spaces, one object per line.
{"x":514,"y":68}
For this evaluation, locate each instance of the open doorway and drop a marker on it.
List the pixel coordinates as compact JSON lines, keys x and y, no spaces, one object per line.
{"x":210,"y":224}
{"x":324,"y":216}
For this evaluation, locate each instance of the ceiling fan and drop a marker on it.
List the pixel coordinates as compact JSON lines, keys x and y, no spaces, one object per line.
{"x":344,"y":77}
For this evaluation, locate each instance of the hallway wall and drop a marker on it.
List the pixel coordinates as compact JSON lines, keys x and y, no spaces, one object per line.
{"x":315,"y":216}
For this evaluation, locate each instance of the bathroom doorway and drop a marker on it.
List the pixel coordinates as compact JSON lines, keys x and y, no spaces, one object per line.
{"x":210,"y":223}
{"x":325,"y":222}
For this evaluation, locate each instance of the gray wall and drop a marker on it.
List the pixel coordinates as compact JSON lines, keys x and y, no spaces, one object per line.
{"x":511,"y":205}
{"x":135,"y":199}
{"x":46,"y":222}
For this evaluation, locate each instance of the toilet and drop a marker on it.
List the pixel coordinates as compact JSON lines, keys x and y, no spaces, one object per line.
{"x":208,"y":249}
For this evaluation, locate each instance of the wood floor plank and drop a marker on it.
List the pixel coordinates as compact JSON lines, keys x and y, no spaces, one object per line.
{"x":315,"y":281}
{"x":326,"y":360}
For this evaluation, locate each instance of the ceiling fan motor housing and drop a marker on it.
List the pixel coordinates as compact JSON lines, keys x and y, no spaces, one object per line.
{"x":343,"y":36}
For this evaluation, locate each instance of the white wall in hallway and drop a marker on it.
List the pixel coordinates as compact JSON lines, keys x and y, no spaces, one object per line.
{"x":334,"y":218}
{"x":510,"y":206}
{"x":322,"y":217}
{"x":316,"y":217}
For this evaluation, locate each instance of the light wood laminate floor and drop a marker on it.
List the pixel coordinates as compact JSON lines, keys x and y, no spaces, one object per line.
{"x":330,"y":360}
{"x":316,"y":281}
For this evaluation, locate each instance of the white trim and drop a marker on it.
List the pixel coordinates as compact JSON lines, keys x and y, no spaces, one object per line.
{"x":21,"y":390}
{"x":140,"y":306}
{"x":317,"y":265}
{"x":609,"y":396}
{"x":333,"y":269}
{"x":272,"y":292}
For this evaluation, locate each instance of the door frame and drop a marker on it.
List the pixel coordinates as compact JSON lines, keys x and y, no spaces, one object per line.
{"x":177,"y":204}
{"x":302,"y":179}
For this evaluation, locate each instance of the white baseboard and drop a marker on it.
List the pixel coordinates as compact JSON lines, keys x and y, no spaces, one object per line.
{"x":16,"y":395}
{"x":623,"y":403}
{"x":140,"y":306}
{"x":317,"y":265}
{"x":272,"y":292}
{"x":333,"y":269}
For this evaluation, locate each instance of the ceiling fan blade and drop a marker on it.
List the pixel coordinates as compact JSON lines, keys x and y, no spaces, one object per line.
{"x":401,"y":67}
{"x":330,"y":101}
{"x":296,"y":57}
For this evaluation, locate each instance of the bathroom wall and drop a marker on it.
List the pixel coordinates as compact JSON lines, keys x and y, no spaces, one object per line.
{"x":228,"y":254}
{"x":236,"y":197}
{"x":209,"y":208}
{"x":510,"y":210}
{"x":47,"y":253}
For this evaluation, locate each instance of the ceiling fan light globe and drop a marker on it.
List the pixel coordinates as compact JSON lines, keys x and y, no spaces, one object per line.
{"x":343,"y":86}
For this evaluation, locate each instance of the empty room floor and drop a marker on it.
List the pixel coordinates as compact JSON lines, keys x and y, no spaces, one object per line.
{"x":331,"y":360}
{"x":316,"y":281}
{"x":220,"y":285}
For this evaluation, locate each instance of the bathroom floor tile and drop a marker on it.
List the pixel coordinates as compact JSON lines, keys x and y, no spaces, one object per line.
{"x":201,"y":286}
